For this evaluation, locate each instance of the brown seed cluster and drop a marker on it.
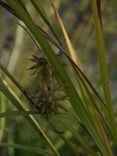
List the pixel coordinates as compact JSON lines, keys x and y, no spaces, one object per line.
{"x":50,"y":97}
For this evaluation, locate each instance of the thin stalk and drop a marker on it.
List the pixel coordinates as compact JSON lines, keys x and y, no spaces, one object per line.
{"x":27,"y":148}
{"x":63,"y":77}
{"x":103,"y":66}
{"x":38,"y":6}
{"x":6,"y":114}
{"x":16,"y":49}
{"x":2,"y":109}
{"x":19,"y":105}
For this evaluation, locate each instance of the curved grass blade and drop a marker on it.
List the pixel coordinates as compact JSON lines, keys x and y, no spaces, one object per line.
{"x":27,"y":148}
{"x":79,"y":71}
{"x":19,"y":105}
{"x":16,"y":83}
{"x":82,"y":83}
{"x":70,"y":48}
{"x":39,"y":7}
{"x":49,"y":38}
{"x":60,"y":72}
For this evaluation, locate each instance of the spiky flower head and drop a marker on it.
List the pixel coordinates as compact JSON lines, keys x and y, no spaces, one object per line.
{"x":50,"y":96}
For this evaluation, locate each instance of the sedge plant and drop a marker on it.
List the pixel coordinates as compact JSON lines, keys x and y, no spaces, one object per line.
{"x":81,"y":119}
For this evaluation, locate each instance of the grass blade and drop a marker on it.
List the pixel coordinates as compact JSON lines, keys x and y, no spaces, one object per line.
{"x":2,"y":109}
{"x":70,"y":48}
{"x":103,"y":66}
{"x":85,"y":87}
{"x":27,"y":148}
{"x":39,"y":7}
{"x":63,"y":77}
{"x":17,"y":113}
{"x":18,"y":104}
{"x":74,"y":57}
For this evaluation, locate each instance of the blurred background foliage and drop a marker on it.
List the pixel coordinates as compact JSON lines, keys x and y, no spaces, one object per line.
{"x":16,"y":48}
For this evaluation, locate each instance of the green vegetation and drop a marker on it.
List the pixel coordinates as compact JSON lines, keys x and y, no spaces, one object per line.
{"x":55,"y":100}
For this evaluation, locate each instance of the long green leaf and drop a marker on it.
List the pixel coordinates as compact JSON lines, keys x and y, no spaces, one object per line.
{"x":17,"y":113}
{"x":75,"y":100}
{"x":39,"y":7}
{"x":103,"y":66}
{"x":2,"y":109}
{"x":19,"y":105}
{"x":27,"y":148}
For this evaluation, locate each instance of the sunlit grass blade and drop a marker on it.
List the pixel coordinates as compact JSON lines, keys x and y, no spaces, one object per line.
{"x":84,"y":86}
{"x":2,"y":109}
{"x":17,"y":47}
{"x":72,"y":52}
{"x":103,"y":66}
{"x":50,"y":39}
{"x":19,"y":105}
{"x":60,"y":143}
{"x":27,"y":148}
{"x":74,"y":66}
{"x":69,"y":46}
{"x":69,"y":143}
{"x":15,"y":82}
{"x":63,"y":77}
{"x":65,"y":137}
{"x":48,"y":51}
